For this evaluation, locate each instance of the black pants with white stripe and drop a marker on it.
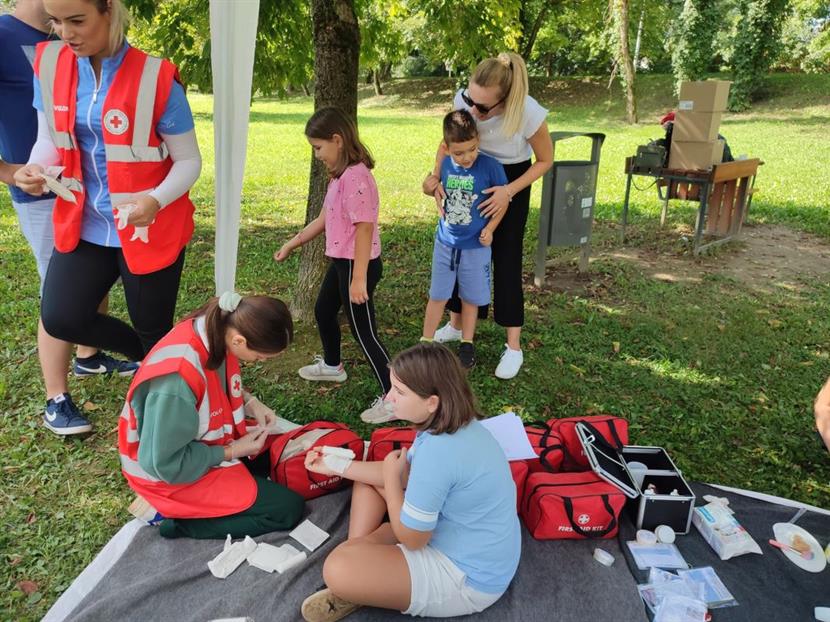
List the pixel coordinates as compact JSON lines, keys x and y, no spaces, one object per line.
{"x":334,"y":293}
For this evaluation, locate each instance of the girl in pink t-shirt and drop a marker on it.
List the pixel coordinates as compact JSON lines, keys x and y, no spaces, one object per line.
{"x":350,"y":220}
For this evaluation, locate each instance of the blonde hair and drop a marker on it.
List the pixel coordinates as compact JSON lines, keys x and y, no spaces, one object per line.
{"x":508,"y":72}
{"x":119,"y":20}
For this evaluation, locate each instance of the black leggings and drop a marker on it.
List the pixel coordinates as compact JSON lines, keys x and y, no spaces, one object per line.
{"x":508,"y":241}
{"x":334,"y":293}
{"x":77,"y":281}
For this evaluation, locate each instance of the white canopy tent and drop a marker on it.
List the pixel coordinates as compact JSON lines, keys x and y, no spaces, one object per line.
{"x":233,"y":27}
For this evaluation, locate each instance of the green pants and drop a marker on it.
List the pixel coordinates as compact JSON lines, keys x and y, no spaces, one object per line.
{"x":276,"y":509}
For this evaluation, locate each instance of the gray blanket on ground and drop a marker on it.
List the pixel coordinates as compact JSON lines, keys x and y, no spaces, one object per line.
{"x":159,"y":579}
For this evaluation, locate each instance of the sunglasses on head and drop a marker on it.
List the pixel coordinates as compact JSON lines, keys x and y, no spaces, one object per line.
{"x":481,"y":107}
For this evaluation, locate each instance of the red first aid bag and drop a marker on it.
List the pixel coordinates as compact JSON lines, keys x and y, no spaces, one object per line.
{"x":548,"y":446}
{"x":571,"y":506}
{"x":288,"y":453}
{"x":613,"y":429}
{"x":389,"y":439}
{"x":519,"y":471}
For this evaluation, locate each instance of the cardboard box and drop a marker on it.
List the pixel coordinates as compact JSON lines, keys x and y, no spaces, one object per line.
{"x":696,"y":126}
{"x":695,"y":155}
{"x":703,"y":96}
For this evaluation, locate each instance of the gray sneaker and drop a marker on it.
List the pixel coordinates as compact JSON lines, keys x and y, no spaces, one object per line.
{"x":447,"y":333}
{"x":379,"y":412}
{"x":319,"y":371}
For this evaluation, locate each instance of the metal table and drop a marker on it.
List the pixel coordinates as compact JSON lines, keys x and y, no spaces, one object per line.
{"x":724,"y":195}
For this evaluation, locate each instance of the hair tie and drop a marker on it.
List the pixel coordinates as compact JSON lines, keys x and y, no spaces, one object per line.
{"x":229,"y":301}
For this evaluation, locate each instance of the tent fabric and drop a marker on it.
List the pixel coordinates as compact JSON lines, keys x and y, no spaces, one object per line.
{"x":140,"y":576}
{"x":233,"y":27}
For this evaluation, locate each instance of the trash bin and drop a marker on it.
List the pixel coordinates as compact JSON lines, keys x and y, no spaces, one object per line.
{"x":567,"y":210}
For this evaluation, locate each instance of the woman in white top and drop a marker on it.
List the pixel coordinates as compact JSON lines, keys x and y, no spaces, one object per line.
{"x":512,"y":126}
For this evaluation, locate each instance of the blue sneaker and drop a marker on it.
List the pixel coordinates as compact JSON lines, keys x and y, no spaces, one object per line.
{"x":63,"y":417}
{"x":102,"y":363}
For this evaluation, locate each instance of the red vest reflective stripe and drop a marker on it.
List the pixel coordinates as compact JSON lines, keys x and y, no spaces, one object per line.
{"x":137,"y":158}
{"x":223,"y":490}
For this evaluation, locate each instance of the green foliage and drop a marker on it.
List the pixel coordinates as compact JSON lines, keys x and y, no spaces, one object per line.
{"x":757,"y":44}
{"x":180,"y":30}
{"x":693,"y":43}
{"x":460,"y":34}
{"x":806,"y":38}
{"x":385,"y":32}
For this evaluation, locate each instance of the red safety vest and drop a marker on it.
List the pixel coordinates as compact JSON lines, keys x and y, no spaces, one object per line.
{"x":226,"y":489}
{"x":137,"y":158}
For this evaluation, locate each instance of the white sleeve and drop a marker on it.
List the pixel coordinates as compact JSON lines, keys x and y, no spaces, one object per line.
{"x":187,"y":164}
{"x":458,"y":103}
{"x":44,"y":151}
{"x":535,"y":115}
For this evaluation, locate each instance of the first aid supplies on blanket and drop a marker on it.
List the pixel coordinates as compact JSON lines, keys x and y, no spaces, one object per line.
{"x":309,"y":535}
{"x":604,"y":557}
{"x":231,"y":557}
{"x":665,"y":534}
{"x":719,"y":527}
{"x":272,"y":558}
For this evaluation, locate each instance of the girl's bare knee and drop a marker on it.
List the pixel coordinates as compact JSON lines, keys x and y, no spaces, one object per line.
{"x":336,"y":568}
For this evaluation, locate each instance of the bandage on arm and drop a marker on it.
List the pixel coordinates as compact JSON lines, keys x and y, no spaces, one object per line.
{"x":187,"y":164}
{"x":44,"y":151}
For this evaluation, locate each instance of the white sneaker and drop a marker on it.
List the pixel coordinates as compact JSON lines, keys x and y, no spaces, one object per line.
{"x":447,"y":333}
{"x":510,"y":363}
{"x":319,"y":371}
{"x":379,"y":412}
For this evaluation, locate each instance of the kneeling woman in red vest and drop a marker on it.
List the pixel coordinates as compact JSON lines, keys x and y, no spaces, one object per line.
{"x":182,"y":431}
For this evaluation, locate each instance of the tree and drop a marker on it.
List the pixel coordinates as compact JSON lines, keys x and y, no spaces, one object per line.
{"x":336,"y":38}
{"x":383,"y":37}
{"x":180,"y":30}
{"x":620,"y":16}
{"x":756,"y":46}
{"x":693,"y":43}
{"x":460,"y":34}
{"x":532,"y":16}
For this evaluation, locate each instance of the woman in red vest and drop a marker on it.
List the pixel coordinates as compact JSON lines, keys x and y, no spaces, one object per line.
{"x":182,"y":431}
{"x":114,"y":123}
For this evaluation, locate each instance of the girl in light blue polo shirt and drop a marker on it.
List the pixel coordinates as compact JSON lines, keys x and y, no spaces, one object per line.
{"x":452,"y":543}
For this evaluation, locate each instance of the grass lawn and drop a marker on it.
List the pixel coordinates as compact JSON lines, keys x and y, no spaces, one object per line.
{"x":720,"y":373}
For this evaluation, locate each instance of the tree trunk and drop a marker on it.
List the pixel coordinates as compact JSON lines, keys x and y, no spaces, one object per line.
{"x":530,"y":40}
{"x":624,"y":59}
{"x":376,"y":82}
{"x":336,"y":51}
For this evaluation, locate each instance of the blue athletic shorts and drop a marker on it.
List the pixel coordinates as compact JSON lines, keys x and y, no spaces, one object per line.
{"x":470,"y":267}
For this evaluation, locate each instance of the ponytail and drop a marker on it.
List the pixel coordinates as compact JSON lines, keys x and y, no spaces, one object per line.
{"x":265,"y":323}
{"x":508,"y":72}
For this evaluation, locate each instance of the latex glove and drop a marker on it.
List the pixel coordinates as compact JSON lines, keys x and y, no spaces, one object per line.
{"x":256,"y":410}
{"x":122,"y":215}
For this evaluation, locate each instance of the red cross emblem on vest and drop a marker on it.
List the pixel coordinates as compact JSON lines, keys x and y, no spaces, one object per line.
{"x":236,"y":385}
{"x":116,"y":122}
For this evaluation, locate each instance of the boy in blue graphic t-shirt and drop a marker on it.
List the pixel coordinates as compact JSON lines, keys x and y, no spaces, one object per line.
{"x":461,"y":253}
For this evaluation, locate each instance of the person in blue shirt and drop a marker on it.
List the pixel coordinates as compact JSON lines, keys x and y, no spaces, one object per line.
{"x":452,"y":543}
{"x":20,"y":32}
{"x":77,"y":280}
{"x":461,"y":253}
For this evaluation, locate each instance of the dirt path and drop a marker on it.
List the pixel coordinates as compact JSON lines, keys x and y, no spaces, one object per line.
{"x":766,"y":258}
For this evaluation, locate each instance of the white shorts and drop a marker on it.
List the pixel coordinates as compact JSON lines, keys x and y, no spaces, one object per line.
{"x":439,"y":587}
{"x":36,"y":224}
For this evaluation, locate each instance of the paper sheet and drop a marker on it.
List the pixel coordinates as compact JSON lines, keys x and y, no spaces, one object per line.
{"x":509,"y":430}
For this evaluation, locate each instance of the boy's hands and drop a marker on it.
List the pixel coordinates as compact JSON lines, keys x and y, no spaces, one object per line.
{"x":432,"y":186}
{"x":486,"y":237}
{"x":358,"y":292}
